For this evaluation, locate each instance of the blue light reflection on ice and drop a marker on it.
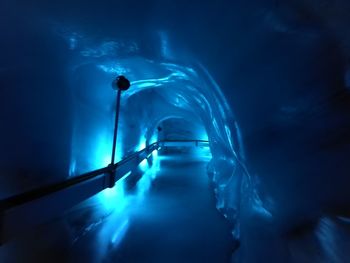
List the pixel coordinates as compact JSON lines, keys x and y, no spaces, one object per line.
{"x":112,"y":233}
{"x":72,"y":167}
{"x":155,"y":155}
{"x":203,"y":136}
{"x":114,"y":69}
{"x":143,"y":165}
{"x":114,"y":198}
{"x":153,"y":139}
{"x":146,"y":85}
{"x":110,"y":48}
{"x":101,"y":156}
{"x":116,"y":227}
{"x":120,"y":232}
{"x":99,"y":148}
{"x":142,"y":145}
{"x":150,"y":173}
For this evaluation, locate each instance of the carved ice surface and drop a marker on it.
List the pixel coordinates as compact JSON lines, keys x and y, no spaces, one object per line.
{"x":266,"y":82}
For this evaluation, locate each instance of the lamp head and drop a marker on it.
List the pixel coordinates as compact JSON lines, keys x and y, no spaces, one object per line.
{"x":121,"y":83}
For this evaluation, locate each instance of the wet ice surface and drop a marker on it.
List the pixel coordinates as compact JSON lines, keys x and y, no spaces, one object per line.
{"x":175,"y":222}
{"x":170,"y":216}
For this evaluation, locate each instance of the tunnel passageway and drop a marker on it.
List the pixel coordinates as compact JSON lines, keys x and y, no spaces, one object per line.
{"x":176,"y":221}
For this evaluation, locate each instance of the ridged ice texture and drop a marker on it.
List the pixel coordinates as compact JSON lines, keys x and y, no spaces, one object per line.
{"x":161,"y":89}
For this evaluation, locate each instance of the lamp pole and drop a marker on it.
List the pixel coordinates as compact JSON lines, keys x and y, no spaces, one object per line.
{"x":120,"y":84}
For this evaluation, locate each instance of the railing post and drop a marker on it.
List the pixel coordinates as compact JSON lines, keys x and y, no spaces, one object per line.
{"x":116,"y":122}
{"x":120,"y":84}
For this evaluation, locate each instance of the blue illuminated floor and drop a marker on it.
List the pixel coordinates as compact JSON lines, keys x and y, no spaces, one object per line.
{"x":175,"y":222}
{"x":169,"y":217}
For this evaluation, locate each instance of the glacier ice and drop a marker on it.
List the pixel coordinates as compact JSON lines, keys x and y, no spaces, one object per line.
{"x":268,"y":81}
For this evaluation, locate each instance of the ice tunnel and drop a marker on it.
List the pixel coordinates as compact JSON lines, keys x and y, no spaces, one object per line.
{"x":231,"y":142}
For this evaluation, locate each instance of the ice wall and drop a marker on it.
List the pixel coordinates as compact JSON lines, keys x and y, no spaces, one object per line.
{"x":161,"y":90}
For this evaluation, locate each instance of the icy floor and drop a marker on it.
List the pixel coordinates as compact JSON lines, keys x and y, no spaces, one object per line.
{"x":170,"y":216}
{"x":175,"y":222}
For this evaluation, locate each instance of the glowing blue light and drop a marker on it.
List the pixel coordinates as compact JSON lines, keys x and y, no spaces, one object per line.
{"x":126,"y":175}
{"x":155,"y":154}
{"x":203,"y":136}
{"x":144,"y":184}
{"x":142,"y":145}
{"x":103,"y":148}
{"x":111,"y":234}
{"x":156,"y":164}
{"x":120,"y":233}
{"x":114,"y":198}
{"x":259,"y":207}
{"x":114,"y":69}
{"x":102,"y":151}
{"x":145,"y":85}
{"x":206,"y":153}
{"x":150,"y":83}
{"x":143,"y":165}
{"x":153,"y":139}
{"x":72,"y":167}
{"x":228,"y":135}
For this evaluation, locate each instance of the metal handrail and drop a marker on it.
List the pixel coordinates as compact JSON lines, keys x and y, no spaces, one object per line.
{"x":31,"y":195}
{"x":25,"y":210}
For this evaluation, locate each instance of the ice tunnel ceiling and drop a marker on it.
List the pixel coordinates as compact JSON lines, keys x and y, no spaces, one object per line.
{"x":159,"y":90}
